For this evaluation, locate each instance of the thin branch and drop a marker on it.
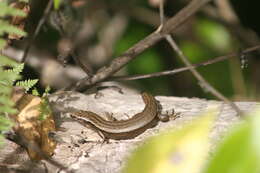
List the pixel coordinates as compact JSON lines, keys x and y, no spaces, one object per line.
{"x":86,"y":67}
{"x":141,"y":46}
{"x":203,"y":82}
{"x":37,"y":30}
{"x":226,"y":11}
{"x":175,"y":71}
{"x":161,"y":10}
{"x":71,"y":45}
{"x":184,"y":14}
{"x":197,"y":75}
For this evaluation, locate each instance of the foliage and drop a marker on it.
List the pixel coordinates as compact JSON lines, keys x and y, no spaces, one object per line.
{"x":214,"y":35}
{"x":148,"y":62}
{"x":9,"y":69}
{"x":45,"y":109}
{"x":57,"y":4}
{"x":176,"y":151}
{"x":7,"y":79}
{"x":239,"y":152}
{"x":184,"y":150}
{"x":27,"y":84}
{"x":6,"y":27}
{"x":6,"y":105}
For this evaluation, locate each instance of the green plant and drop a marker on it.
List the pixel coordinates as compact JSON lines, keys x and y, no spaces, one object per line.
{"x":57,"y":3}
{"x":9,"y":69}
{"x":7,"y":79}
{"x":185,"y":150}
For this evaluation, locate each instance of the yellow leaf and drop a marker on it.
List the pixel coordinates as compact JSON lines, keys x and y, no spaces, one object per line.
{"x":178,"y":151}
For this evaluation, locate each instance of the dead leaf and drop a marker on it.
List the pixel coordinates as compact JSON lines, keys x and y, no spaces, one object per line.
{"x":29,"y":125}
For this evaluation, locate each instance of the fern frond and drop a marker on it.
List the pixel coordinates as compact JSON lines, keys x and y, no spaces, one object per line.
{"x":10,"y":29}
{"x":5,"y":89}
{"x":8,"y":77}
{"x":7,"y":61}
{"x":6,"y":27}
{"x":4,"y":123}
{"x":17,"y":69}
{"x":6,"y":83}
{"x":45,"y":109}
{"x":27,"y":84}
{"x":4,"y":100}
{"x":6,"y":10}
{"x":2,"y":43}
{"x":35,"y":92}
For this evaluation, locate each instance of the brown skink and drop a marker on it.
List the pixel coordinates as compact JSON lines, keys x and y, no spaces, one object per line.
{"x":124,"y":129}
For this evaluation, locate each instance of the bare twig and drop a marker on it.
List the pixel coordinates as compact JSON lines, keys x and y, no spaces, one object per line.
{"x":70,"y":44}
{"x":161,"y":10}
{"x":37,"y":30}
{"x":71,"y":72}
{"x":196,"y":74}
{"x":175,"y":71}
{"x":85,"y":66}
{"x":226,"y":14}
{"x":183,"y":15}
{"x":142,"y":45}
{"x":226,"y":11}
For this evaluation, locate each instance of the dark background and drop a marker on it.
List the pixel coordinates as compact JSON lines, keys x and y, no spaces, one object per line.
{"x":202,"y":38}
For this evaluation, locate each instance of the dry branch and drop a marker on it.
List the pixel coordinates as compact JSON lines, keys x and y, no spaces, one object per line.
{"x":141,"y":46}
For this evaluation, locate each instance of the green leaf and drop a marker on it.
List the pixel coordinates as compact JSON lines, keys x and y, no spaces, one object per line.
{"x":5,"y":123}
{"x":47,"y":90}
{"x":10,"y":29}
{"x":178,"y":151}
{"x":4,"y":88}
{"x":7,"y":109}
{"x":27,"y":84}
{"x":195,"y":52}
{"x":213,"y":35}
{"x":56,"y":4}
{"x":240,"y":150}
{"x":2,"y":43}
{"x":26,"y":1}
{"x":9,"y":78}
{"x":35,"y":92}
{"x":7,"y":61}
{"x":5,"y":99}
{"x":45,"y":109}
{"x":17,"y":69}
{"x":10,"y":11}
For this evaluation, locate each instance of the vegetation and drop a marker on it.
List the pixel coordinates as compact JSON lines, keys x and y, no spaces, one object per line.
{"x":7,"y":77}
{"x":187,"y":149}
{"x":177,"y":151}
{"x":9,"y":69}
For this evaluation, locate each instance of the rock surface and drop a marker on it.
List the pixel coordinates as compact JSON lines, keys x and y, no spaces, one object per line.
{"x":81,"y":148}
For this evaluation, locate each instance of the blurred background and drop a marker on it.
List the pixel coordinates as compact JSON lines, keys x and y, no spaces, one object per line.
{"x":98,"y":31}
